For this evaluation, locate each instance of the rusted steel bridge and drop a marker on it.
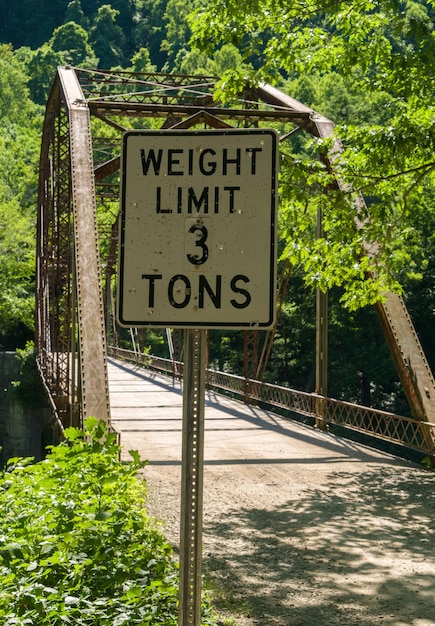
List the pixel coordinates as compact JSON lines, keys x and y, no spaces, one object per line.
{"x":87,"y":112}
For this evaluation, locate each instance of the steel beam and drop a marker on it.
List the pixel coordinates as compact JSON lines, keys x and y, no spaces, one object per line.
{"x":405,"y":347}
{"x":91,"y":328}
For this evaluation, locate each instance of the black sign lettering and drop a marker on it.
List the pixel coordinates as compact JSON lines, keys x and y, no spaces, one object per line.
{"x":196,"y":259}
{"x":172,"y":162}
{"x":193,"y":201}
{"x":215,"y":296}
{"x":209,"y":168}
{"x":253,"y":154}
{"x":205,"y":200}
{"x":151,"y":158}
{"x":152,"y":279}
{"x":232,"y":190}
{"x":171,"y":288}
{"x":181,"y":162}
{"x":228,"y":161}
{"x":180,"y":291}
{"x":159,"y":208}
{"x":243,"y":292}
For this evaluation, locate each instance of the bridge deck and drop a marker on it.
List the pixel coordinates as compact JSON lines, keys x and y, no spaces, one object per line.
{"x":147,"y":411}
{"x":300,"y":526}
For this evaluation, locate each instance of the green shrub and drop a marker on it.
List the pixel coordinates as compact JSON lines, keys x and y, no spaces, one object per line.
{"x":76,"y":545}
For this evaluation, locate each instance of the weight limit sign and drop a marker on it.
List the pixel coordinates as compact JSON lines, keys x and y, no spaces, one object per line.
{"x":198,"y":228}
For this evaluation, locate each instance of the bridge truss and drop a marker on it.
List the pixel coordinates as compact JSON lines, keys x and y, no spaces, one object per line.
{"x":86,"y":114}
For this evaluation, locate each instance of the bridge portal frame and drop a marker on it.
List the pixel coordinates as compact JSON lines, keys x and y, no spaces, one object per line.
{"x":70,"y":312}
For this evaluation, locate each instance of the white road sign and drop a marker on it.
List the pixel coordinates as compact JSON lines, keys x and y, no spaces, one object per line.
{"x":198,"y":228}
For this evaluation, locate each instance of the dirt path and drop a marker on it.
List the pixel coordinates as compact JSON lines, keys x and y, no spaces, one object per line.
{"x":300,"y":527}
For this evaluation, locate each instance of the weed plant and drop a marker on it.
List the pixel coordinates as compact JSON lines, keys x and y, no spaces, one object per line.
{"x":76,"y":544}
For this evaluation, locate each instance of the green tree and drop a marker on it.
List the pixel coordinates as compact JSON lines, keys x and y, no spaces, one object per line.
{"x":42,"y":66}
{"x":141,"y":62}
{"x":68,"y":45}
{"x":20,"y":123}
{"x":30,"y":23}
{"x":74,"y":13}
{"x":76,"y":544}
{"x":177,"y":31}
{"x":418,"y":275}
{"x":107,"y":38}
{"x":14,"y":93}
{"x":71,"y":40}
{"x":375,"y":51}
{"x":225,"y":59}
{"x":149,"y":29}
{"x":196,"y":62}
{"x":17,"y":251}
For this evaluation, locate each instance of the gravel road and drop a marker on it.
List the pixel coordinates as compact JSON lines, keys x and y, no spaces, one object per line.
{"x":300,"y":527}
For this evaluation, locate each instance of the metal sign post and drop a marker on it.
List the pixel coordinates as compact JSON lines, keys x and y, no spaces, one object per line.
{"x":192,"y":479}
{"x":198,"y":251}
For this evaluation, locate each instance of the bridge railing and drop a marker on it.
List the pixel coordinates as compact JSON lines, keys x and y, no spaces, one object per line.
{"x":403,"y":431}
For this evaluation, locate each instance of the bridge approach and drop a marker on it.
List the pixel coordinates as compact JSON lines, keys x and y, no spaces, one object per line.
{"x":299,"y":526}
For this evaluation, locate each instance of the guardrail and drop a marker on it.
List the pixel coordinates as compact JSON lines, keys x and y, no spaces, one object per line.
{"x":403,"y":431}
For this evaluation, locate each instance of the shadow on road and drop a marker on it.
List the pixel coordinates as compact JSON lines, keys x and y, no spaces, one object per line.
{"x":359,"y":552}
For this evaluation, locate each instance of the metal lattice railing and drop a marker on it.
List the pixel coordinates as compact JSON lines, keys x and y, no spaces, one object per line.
{"x":404,"y":431}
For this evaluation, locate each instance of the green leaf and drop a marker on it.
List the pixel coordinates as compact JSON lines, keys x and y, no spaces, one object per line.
{"x":12,"y":550}
{"x":134,"y":592}
{"x":32,"y":566}
{"x":135,"y":456}
{"x":103,"y":515}
{"x":72,"y":434}
{"x":79,"y":512}
{"x":90,"y":424}
{"x":72,"y":600}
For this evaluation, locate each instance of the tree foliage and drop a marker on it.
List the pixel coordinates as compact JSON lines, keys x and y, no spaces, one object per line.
{"x":19,"y":151}
{"x":107,"y":37}
{"x":68,"y":45}
{"x":375,"y":51}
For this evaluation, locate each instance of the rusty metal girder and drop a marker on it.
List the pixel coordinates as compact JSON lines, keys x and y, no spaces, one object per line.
{"x":402,"y":340}
{"x":70,"y":323}
{"x":54,"y":261}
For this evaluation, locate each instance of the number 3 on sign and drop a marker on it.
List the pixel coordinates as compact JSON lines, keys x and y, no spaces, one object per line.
{"x":198,"y":242}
